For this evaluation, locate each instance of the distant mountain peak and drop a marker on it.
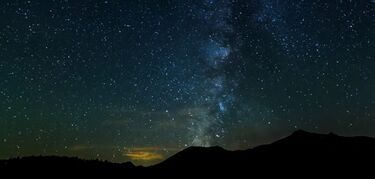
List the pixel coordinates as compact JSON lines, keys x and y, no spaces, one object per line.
{"x":200,"y":148}
{"x":301,"y":132}
{"x":332,"y":134}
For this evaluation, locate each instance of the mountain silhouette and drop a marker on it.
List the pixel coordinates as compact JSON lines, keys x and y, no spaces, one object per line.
{"x":300,"y":153}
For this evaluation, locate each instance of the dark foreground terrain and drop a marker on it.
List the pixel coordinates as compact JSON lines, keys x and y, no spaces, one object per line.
{"x":301,"y":154}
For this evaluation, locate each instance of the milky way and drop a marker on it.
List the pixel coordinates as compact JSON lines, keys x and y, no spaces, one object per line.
{"x":216,"y":51}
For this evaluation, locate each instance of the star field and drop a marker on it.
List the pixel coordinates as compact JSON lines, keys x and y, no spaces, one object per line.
{"x":141,"y":80}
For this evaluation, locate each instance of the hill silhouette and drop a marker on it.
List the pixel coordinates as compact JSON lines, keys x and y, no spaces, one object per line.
{"x":300,"y":153}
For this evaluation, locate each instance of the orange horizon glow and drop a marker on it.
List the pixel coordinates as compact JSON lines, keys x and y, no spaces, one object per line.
{"x":143,"y":155}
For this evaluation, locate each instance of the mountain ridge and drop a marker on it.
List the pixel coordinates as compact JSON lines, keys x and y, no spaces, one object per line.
{"x":300,"y":151}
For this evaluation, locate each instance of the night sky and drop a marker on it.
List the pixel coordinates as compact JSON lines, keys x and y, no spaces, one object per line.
{"x":141,"y":80}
